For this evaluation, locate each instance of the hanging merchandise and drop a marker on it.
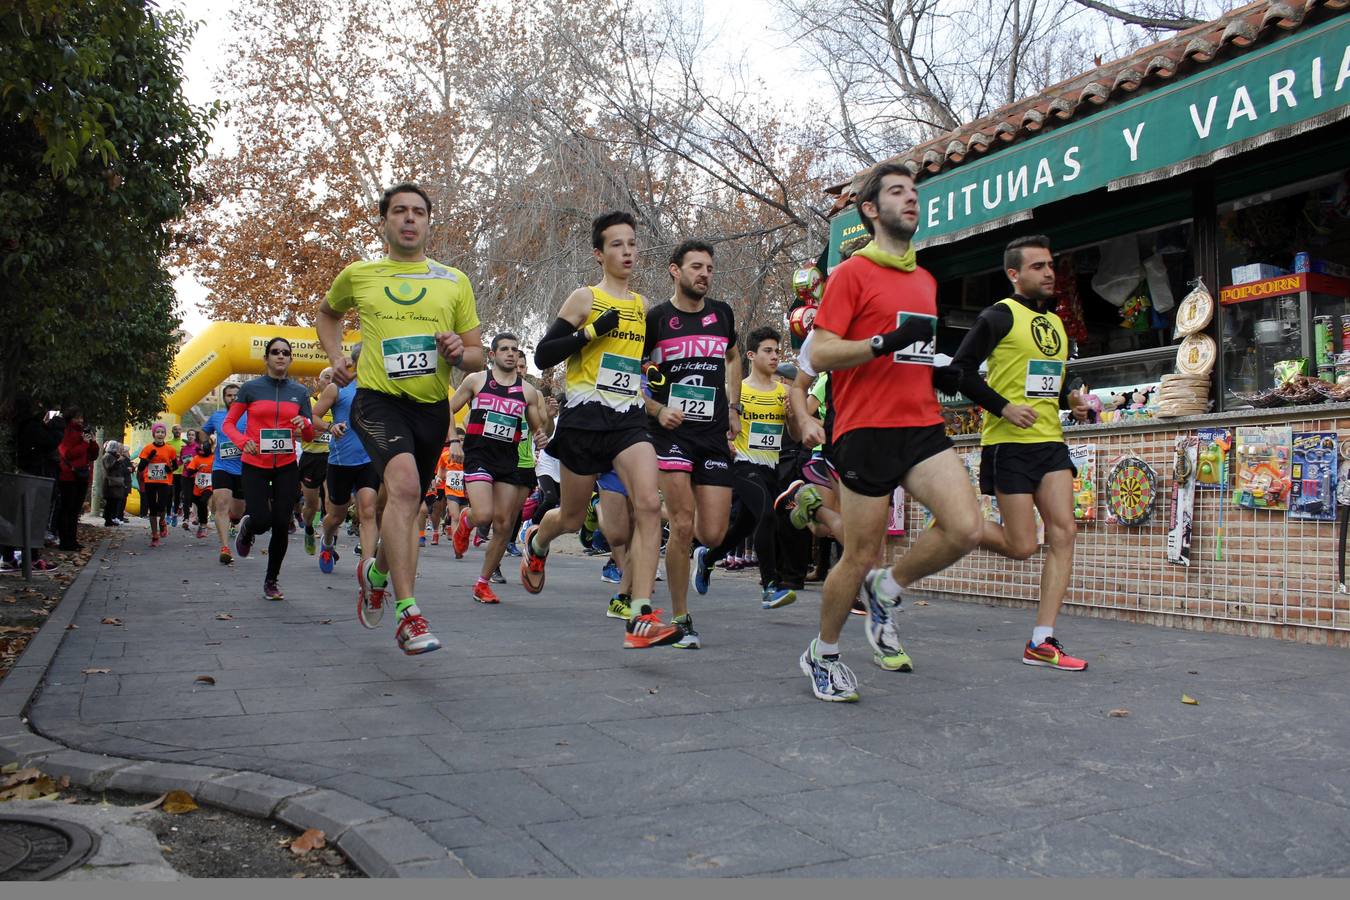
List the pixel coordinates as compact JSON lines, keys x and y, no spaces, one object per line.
{"x":896,"y":525}
{"x":1068,"y":306}
{"x":1183,"y":501}
{"x":1119,"y":272}
{"x":1313,"y":476}
{"x":1084,"y":459}
{"x":1262,"y":467}
{"x":1131,"y":492}
{"x":1159,"y":287}
{"x":1343,"y":501}
{"x":1196,"y":311}
{"x":808,"y":283}
{"x":1196,"y":355}
{"x":1212,"y":467}
{"x":1134,"y":313}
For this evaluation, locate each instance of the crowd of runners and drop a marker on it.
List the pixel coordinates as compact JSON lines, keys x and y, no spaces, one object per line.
{"x":672,"y":434}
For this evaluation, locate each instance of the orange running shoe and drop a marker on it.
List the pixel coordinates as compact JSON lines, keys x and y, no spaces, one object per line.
{"x":482,"y":592}
{"x":461,"y":538}
{"x":436,"y":538}
{"x":647,"y":630}
{"x":531,"y":566}
{"x":1051,"y":655}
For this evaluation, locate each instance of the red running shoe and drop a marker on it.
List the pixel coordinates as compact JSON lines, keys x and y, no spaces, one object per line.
{"x":483,"y":593}
{"x":1051,"y":655}
{"x":461,"y":537}
{"x":647,"y":630}
{"x":531,"y":566}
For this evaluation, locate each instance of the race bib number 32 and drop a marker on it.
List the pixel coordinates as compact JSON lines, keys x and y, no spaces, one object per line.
{"x":618,"y":375}
{"x":695,"y":401}
{"x":410,"y":356}
{"x":276,"y":440}
{"x":920,"y":352}
{"x":1044,"y":377}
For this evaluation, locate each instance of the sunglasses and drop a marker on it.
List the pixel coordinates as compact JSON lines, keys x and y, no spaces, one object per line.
{"x":277,"y":351}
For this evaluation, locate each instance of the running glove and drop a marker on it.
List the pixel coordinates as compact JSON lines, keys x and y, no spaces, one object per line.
{"x":915,"y":329}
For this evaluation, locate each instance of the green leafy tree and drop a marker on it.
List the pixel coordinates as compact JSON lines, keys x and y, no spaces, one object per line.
{"x":99,"y":148}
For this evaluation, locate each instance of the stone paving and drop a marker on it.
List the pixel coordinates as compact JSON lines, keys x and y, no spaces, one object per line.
{"x":533,"y":744}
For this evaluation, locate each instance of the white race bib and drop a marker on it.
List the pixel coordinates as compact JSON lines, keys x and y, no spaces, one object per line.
{"x":203,"y":481}
{"x":920,"y":352}
{"x":620,"y":375}
{"x":454,"y":480}
{"x":410,"y":356}
{"x":695,"y":401}
{"x":765,"y":436}
{"x":228,"y":450}
{"x":1044,"y":377}
{"x":500,"y":427}
{"x":156,"y":472}
{"x":276,"y":440}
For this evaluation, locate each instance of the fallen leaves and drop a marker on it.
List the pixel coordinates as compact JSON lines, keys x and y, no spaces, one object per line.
{"x":920,"y":602}
{"x":224,"y":617}
{"x":29,"y":784}
{"x":1118,"y":713}
{"x":311,"y":839}
{"x":96,"y":671}
{"x":111,"y":620}
{"x":174,"y":802}
{"x":1189,"y":700}
{"x":203,"y":679}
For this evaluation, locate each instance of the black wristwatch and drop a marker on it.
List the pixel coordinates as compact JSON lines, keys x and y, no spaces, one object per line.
{"x":878,"y":344}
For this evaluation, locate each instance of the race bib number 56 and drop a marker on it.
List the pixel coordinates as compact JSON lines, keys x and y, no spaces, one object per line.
{"x":920,"y":352}
{"x":409,"y":356}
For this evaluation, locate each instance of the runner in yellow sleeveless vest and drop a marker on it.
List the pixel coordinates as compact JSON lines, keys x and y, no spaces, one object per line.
{"x":314,"y":464}
{"x":600,"y":332}
{"x":1024,"y":461}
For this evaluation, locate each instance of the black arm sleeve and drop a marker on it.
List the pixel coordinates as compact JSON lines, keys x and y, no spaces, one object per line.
{"x":560,"y":341}
{"x":991,"y":327}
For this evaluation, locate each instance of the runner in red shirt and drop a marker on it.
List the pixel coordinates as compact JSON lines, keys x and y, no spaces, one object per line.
{"x":876,"y":333}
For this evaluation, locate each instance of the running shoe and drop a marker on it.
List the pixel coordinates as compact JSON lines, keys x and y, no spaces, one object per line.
{"x":774,"y":597}
{"x":688,"y":639}
{"x":201,"y":533}
{"x":497,"y":577}
{"x":611,"y":574}
{"x":520,"y":535}
{"x":859,"y":605}
{"x":173,"y":519}
{"x":660,"y":572}
{"x":310,"y":542}
{"x":154,"y":542}
{"x":483,"y":593}
{"x":291,"y":528}
{"x":422,"y":539}
{"x":512,"y":549}
{"x":830,"y":678}
{"x":272,"y":590}
{"x":1051,"y":655}
{"x":187,"y":525}
{"x":461,"y":538}
{"x":702,"y":571}
{"x":531,"y":566}
{"x":647,"y":630}
{"x":478,"y":539}
{"x":436,"y":538}
{"x":243,"y":541}
{"x":164,"y":531}
{"x":317,"y":522}
{"x":804,"y":511}
{"x":225,"y":557}
{"x":414,"y":635}
{"x":41,"y":565}
{"x":328,"y":557}
{"x":880,"y":627}
{"x":620,"y":607}
{"x":234,"y":530}
{"x":788,"y":499}
{"x":370,"y":599}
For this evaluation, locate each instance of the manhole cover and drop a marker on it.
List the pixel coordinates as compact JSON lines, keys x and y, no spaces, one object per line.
{"x":34,"y":848}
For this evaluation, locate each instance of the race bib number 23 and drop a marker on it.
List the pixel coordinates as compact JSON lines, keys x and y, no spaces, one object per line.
{"x":618,"y":375}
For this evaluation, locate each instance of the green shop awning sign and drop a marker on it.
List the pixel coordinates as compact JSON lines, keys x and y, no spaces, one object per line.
{"x":1290,"y":87}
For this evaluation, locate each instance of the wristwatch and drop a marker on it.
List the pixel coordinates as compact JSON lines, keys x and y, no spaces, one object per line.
{"x":878,"y":344}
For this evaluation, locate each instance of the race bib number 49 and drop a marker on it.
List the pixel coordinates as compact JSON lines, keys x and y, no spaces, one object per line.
{"x":618,"y":375}
{"x":765,"y":436}
{"x":276,"y":440}
{"x":410,"y":356}
{"x":695,"y":401}
{"x":920,"y":352}
{"x":499,"y":426}
{"x":1044,"y":377}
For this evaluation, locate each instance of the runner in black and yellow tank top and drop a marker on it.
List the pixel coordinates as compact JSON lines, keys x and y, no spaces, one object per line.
{"x":600,"y":332}
{"x":1024,"y":461}
{"x":501,"y":405}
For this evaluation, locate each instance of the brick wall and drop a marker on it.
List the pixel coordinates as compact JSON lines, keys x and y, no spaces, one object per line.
{"x":1277,"y":577}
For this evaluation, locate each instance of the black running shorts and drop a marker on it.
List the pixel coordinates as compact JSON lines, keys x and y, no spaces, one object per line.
{"x":1019,"y":468}
{"x":313,"y":470}
{"x":389,"y":425}
{"x":343,"y":481}
{"x":228,"y":481}
{"x":592,"y":452}
{"x":874,"y":461}
{"x":704,"y":456}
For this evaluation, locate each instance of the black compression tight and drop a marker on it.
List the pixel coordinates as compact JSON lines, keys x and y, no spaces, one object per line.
{"x":269,"y":496}
{"x":754,"y":487}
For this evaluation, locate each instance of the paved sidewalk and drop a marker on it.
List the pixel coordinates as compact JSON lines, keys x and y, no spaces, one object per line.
{"x":532,"y":744}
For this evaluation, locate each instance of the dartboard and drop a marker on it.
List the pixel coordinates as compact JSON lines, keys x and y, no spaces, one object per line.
{"x":1131,"y":490}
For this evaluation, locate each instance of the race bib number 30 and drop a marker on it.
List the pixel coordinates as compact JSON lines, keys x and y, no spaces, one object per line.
{"x":695,"y":401}
{"x":203,"y":481}
{"x":156,"y":472}
{"x":499,"y":426}
{"x":1044,"y":377}
{"x":410,"y":356}
{"x":618,"y":375}
{"x":920,"y":352}
{"x":765,"y":436}
{"x":276,"y":440}
{"x":228,"y":450}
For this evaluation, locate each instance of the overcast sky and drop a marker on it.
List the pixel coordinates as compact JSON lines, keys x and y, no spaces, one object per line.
{"x":750,"y":33}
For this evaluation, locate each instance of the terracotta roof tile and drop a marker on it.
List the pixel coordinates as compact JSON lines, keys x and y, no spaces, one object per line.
{"x":1176,"y":57}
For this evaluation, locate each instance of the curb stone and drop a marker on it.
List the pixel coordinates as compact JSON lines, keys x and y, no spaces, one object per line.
{"x":381,"y":845}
